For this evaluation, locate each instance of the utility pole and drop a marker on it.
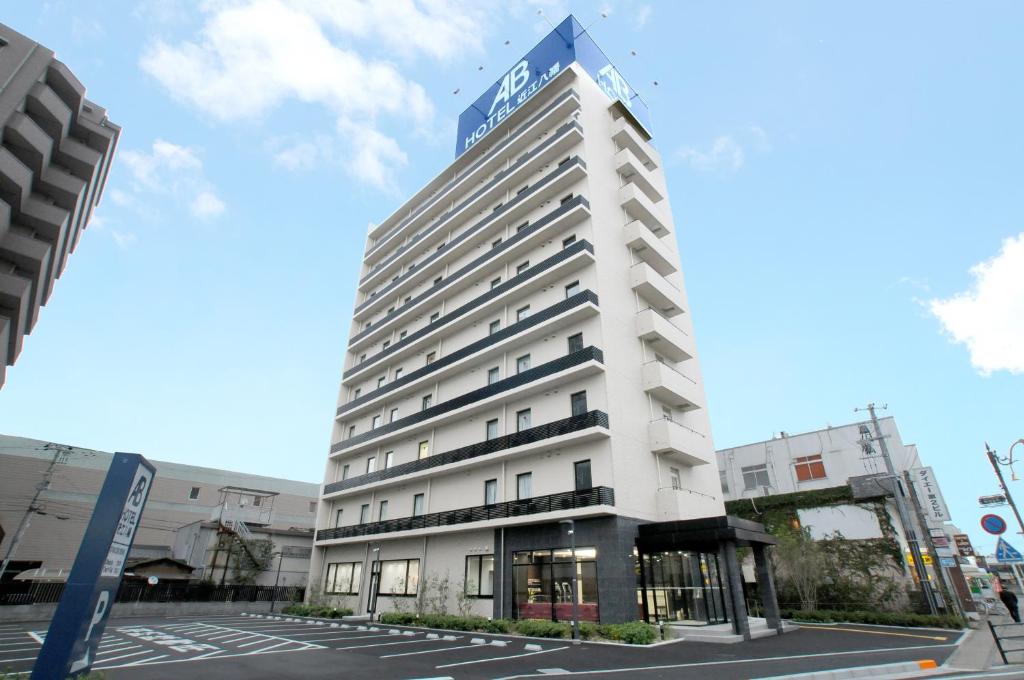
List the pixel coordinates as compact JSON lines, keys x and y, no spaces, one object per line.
{"x":944,"y":585}
{"x":992,"y":458}
{"x":32,"y":508}
{"x":901,"y":507}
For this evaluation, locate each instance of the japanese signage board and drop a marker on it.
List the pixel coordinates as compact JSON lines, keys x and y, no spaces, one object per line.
{"x":963,"y":545}
{"x":567,"y":43}
{"x":81,"y":616}
{"x":930,"y":495}
{"x":994,"y":499}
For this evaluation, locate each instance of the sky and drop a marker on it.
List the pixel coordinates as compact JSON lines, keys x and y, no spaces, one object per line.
{"x":845,"y":181}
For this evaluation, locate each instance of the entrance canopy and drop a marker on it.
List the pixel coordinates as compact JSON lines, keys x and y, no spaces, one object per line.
{"x":705,"y":534}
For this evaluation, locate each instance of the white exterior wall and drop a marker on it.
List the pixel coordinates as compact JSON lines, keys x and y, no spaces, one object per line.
{"x":622,"y":456}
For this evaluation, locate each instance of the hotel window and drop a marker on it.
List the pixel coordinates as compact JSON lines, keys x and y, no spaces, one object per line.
{"x":431,"y":357}
{"x":381,"y":380}
{"x":424,"y":450}
{"x":490,"y":492}
{"x":364,"y":513}
{"x":343,"y":578}
{"x":581,"y":473}
{"x":494,"y":327}
{"x":568,"y":241}
{"x":495,"y":283}
{"x":398,"y":373}
{"x":523,"y":266}
{"x":385,"y":344}
{"x":382,"y":513}
{"x":371,"y":464}
{"x":390,"y":309}
{"x":522,"y":189}
{"x":493,"y":375}
{"x":435,"y":316}
{"x":438,"y":280}
{"x":479,"y":575}
{"x":401,"y":336}
{"x":193,"y":493}
{"x":355,"y":395}
{"x":362,"y":358}
{"x":375,"y":423}
{"x":674,"y":479}
{"x":666,"y":412}
{"x":257,"y":501}
{"x":398,"y":577}
{"x":524,"y":486}
{"x":389,"y":459}
{"x":417,"y":505}
{"x":406,"y":300}
{"x":578,"y":403}
{"x":522,"y":226}
{"x":522,"y":313}
{"x":755,"y":477}
{"x":394,"y":415}
{"x":809,"y":468}
{"x":724,"y":479}
{"x":337,"y":518}
{"x":522,"y":420}
{"x":566,"y":199}
{"x":351,"y":431}
{"x":575,"y":342}
{"x":344,"y":471}
{"x":427,"y":400}
{"x":523,"y":363}
{"x":572,"y":289}
{"x":492,"y":429}
{"x":312,"y":506}
{"x":495,"y":244}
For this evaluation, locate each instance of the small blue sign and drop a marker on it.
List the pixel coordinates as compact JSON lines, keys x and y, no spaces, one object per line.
{"x":1007,"y":553}
{"x":993,"y":524}
{"x":568,"y":43}
{"x":81,"y":616}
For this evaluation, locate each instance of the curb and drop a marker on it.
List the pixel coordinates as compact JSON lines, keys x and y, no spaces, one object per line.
{"x":879,"y":672}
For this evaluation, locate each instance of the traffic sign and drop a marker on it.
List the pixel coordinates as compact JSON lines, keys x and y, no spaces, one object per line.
{"x":77,"y":625}
{"x":1007,"y":553}
{"x":993,"y":524}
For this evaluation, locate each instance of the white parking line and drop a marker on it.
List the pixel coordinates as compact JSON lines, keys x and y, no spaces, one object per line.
{"x":353,"y":637}
{"x":125,"y":656}
{"x":18,"y":642}
{"x":142,"y":661}
{"x":236,"y":638}
{"x":35,"y":636}
{"x":385,"y":644}
{"x":17,"y":649}
{"x":27,"y":658}
{"x":431,"y":651}
{"x":500,"y":658}
{"x":119,"y":649}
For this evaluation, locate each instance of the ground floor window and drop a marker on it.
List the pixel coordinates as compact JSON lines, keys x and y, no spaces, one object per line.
{"x":479,"y":575}
{"x":397,"y":577}
{"x":683,"y":586}
{"x":543,"y":584}
{"x":343,"y":577}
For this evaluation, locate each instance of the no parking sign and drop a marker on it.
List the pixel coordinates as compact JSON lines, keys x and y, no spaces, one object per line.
{"x":993,"y":524}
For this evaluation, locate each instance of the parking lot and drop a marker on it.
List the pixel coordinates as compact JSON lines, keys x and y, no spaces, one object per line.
{"x":283,"y":647}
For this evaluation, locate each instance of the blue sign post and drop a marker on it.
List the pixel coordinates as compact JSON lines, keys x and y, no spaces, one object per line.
{"x":568,"y":43}
{"x":81,"y":616}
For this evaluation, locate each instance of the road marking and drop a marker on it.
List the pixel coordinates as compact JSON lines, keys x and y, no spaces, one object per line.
{"x":119,"y":649}
{"x":353,"y":637}
{"x":877,"y":632}
{"x":500,"y":658}
{"x":27,"y":658}
{"x":385,"y":644}
{"x":17,"y":649}
{"x":762,"y":659}
{"x":266,"y":635}
{"x":142,"y":661}
{"x":19,"y":642}
{"x":125,"y":656}
{"x":431,"y":651}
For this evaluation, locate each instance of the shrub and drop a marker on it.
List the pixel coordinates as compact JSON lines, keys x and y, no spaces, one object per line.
{"x":318,"y":612}
{"x":540,"y":628}
{"x":632,"y":633}
{"x":397,"y":618}
{"x":876,"y":618}
{"x":495,"y":626}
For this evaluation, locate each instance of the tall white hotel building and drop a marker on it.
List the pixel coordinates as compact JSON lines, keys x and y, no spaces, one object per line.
{"x":521,"y":353}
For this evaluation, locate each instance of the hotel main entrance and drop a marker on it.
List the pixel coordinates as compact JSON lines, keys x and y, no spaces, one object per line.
{"x":684,"y":586}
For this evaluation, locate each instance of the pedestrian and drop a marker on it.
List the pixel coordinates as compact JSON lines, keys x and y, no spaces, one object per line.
{"x":1010,"y":602}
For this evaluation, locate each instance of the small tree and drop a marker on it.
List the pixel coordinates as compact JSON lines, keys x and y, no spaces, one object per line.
{"x":801,"y":561}
{"x":463,"y":602}
{"x":442,"y":588}
{"x":400,"y":604}
{"x":422,"y":600}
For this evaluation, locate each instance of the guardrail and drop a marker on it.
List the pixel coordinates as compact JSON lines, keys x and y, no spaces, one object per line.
{"x":1009,"y":639}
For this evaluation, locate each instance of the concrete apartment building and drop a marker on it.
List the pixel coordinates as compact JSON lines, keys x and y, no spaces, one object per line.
{"x":522,"y":353}
{"x":180,"y":523}
{"x":56,"y":147}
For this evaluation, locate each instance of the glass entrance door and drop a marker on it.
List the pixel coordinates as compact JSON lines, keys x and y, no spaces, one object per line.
{"x":684,"y":586}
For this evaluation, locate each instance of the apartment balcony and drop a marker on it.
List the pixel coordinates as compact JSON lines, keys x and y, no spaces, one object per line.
{"x":48,"y":111}
{"x":679,"y":442}
{"x":681,"y":504}
{"x":32,"y":258}
{"x":627,"y":137}
{"x":635,"y":172}
{"x":650,"y":248}
{"x":29,"y":142}
{"x":639,"y":207}
{"x":671,"y":387}
{"x":5,"y":217}
{"x":655,"y":289}
{"x":395,"y":225}
{"x":16,"y":302}
{"x":590,"y":426}
{"x":15,"y":179}
{"x":526,"y":508}
{"x":664,"y":337}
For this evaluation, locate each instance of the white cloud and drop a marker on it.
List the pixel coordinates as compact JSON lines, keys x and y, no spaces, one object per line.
{"x":253,"y":56}
{"x":723,"y":155}
{"x":123,"y":239}
{"x":172,"y":171}
{"x":989,"y":317}
{"x":640,"y":17}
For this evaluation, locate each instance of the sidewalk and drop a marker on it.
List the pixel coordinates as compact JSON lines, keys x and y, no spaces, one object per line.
{"x":978,"y":652}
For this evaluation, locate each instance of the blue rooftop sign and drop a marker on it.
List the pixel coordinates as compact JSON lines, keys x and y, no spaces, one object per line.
{"x":568,"y":43}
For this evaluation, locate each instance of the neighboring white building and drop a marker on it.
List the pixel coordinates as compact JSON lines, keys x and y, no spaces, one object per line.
{"x":521,"y":352}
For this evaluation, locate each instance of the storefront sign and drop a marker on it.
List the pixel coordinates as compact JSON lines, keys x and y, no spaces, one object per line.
{"x":930,"y":495}
{"x":963,"y":545}
{"x":568,"y":43}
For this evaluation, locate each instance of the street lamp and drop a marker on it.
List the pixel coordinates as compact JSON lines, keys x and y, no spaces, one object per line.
{"x":273,"y":595}
{"x":571,"y":526}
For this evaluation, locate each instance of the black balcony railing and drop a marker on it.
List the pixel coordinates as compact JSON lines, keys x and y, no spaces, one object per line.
{"x":549,"y":368}
{"x":540,"y":317}
{"x":381,"y":240}
{"x":536,"y":270}
{"x":529,"y":436}
{"x":567,"y":500}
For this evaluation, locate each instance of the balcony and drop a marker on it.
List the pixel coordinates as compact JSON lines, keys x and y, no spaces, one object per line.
{"x":675,"y":440}
{"x":29,"y":142}
{"x":682,"y":504}
{"x":15,"y":179}
{"x":627,"y":137}
{"x":639,"y":207}
{"x":671,"y":387}
{"x":650,"y":248}
{"x":559,"y":429}
{"x":663,"y":336}
{"x":557,"y":502}
{"x":655,"y":289}
{"x":48,"y":111}
{"x":635,"y":172}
